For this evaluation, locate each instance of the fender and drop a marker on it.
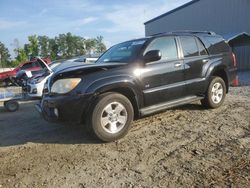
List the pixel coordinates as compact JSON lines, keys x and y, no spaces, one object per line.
{"x":117,"y":82}
{"x":212,"y":68}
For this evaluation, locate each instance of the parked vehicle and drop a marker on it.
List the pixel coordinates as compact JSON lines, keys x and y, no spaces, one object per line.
{"x":33,"y":66}
{"x":35,"y":85}
{"x":141,"y":77}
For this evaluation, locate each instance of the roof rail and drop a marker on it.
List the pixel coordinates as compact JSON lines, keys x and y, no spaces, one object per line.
{"x":185,"y":31}
{"x":193,"y":32}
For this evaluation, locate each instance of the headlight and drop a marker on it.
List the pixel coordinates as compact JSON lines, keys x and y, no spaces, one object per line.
{"x":65,"y":85}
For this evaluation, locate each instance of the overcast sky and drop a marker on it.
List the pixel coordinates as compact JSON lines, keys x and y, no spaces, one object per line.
{"x":115,"y":20}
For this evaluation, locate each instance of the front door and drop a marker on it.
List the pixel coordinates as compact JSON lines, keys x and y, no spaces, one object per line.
{"x":163,"y":80}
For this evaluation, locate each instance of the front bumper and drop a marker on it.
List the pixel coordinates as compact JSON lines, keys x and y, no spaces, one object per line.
{"x":35,"y":90}
{"x":64,"y":107}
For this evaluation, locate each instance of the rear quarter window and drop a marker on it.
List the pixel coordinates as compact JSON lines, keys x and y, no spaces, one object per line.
{"x":215,"y":44}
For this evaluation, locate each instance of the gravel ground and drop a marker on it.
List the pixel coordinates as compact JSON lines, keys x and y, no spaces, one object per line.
{"x":184,"y":147}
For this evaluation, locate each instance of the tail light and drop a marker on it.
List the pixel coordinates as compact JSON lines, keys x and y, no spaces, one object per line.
{"x":234,"y":60}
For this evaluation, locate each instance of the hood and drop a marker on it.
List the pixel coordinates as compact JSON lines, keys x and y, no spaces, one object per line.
{"x":85,"y":67}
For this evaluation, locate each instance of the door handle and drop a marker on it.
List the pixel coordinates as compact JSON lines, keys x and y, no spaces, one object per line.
{"x":177,"y":65}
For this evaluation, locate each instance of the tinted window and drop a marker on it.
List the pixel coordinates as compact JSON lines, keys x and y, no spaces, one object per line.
{"x":189,"y":46}
{"x":26,"y":66}
{"x":202,"y":49}
{"x":166,"y":45}
{"x":215,"y":44}
{"x":124,"y":52}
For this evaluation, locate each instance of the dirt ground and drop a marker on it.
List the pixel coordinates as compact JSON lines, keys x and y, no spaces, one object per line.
{"x":184,"y":147}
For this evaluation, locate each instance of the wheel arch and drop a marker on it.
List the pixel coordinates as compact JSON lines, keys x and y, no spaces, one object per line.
{"x":128,"y":92}
{"x":220,"y":72}
{"x":127,"y":89}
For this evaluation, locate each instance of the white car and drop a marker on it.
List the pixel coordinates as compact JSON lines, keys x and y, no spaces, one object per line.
{"x":35,"y":85}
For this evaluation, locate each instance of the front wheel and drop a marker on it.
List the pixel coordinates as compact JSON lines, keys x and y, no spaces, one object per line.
{"x":215,"y":94}
{"x":111,"y":117}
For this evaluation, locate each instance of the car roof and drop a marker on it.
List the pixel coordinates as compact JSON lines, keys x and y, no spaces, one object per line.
{"x":175,"y":33}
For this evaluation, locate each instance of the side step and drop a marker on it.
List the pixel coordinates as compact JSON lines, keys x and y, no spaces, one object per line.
{"x":167,"y":105}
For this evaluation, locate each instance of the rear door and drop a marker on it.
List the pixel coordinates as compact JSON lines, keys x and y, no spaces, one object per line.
{"x":162,"y":79}
{"x":195,"y":57}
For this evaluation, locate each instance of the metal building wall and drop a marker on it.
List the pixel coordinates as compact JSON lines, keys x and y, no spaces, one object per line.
{"x":243,"y":57}
{"x":221,"y":16}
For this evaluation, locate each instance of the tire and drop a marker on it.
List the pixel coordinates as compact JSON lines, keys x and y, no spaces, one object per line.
{"x":11,"y":106}
{"x":215,"y":94}
{"x":111,"y":117}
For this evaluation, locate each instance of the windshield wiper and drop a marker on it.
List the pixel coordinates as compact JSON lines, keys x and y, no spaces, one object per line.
{"x":110,"y":61}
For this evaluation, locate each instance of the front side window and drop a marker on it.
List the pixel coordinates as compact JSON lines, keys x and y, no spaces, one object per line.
{"x":167,"y":47}
{"x":189,"y":46}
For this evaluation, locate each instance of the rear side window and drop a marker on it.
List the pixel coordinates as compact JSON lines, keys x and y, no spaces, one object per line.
{"x":166,"y":45}
{"x":189,"y":46}
{"x":201,"y":47}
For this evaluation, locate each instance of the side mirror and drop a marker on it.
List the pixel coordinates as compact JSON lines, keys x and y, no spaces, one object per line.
{"x":152,"y":55}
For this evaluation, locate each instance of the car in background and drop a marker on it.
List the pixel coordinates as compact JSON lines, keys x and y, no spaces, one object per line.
{"x":35,"y":85}
{"x":33,"y":66}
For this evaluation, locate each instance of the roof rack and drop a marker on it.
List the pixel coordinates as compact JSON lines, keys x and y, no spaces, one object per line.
{"x":194,"y":32}
{"x":186,"y":31}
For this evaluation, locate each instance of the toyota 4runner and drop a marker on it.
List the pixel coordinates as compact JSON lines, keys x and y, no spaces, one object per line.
{"x":140,"y":77}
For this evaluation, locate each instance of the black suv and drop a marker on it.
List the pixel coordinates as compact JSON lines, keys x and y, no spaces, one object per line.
{"x":140,"y":77}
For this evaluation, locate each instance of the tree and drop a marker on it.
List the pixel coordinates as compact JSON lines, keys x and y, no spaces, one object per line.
{"x":4,"y":55}
{"x":16,"y":45}
{"x":90,"y":45}
{"x":62,"y":46}
{"x":43,"y":43}
{"x":53,"y":48}
{"x":100,"y":46}
{"x":33,"y":46}
{"x":22,"y":56}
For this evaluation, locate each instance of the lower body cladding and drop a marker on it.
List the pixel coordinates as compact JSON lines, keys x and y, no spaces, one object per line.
{"x":64,"y":107}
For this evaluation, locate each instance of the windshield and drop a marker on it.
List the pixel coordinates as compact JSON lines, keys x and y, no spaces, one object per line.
{"x":125,"y":52}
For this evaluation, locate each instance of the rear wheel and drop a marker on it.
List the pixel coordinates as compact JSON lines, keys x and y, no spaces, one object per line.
{"x":216,"y":93}
{"x":11,"y":106}
{"x":111,"y":117}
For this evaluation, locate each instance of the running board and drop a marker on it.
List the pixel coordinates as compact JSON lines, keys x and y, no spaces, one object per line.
{"x":167,"y":105}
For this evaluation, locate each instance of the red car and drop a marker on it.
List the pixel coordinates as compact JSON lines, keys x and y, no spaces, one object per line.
{"x":32,"y":65}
